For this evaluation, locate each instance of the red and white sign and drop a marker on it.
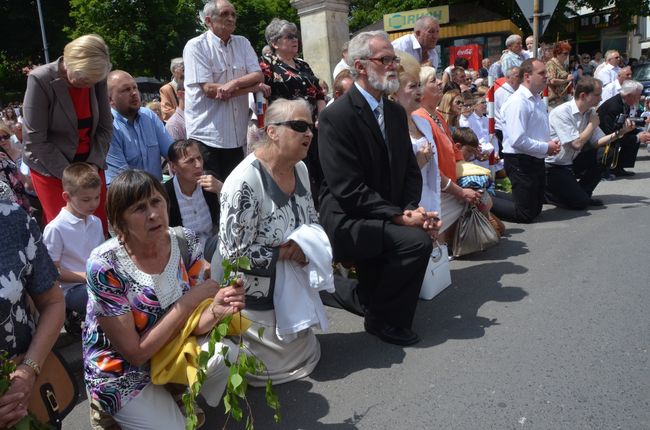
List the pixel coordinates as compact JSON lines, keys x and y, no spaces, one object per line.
{"x":473,"y":53}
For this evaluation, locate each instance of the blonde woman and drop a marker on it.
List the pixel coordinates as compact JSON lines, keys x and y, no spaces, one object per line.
{"x":451,"y":107}
{"x":67,"y":118}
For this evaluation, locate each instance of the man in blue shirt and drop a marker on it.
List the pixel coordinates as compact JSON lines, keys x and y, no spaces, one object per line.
{"x":139,"y":136}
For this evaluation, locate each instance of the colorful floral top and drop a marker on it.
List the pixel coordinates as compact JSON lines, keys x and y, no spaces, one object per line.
{"x":116,"y":286}
{"x":288,"y":82}
{"x":25,"y":268}
{"x":557,"y":94}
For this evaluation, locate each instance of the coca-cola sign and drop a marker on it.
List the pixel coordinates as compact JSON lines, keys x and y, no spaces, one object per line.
{"x":473,"y":53}
{"x":465,"y":52}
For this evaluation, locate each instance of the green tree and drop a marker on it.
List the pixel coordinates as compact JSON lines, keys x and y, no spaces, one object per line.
{"x":254,"y":15}
{"x":23,"y":44}
{"x":142,"y":35}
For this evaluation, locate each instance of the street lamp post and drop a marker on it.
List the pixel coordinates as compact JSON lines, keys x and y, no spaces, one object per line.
{"x":40,"y":18}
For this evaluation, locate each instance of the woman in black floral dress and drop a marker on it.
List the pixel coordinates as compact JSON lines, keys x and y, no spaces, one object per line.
{"x":290,"y":77}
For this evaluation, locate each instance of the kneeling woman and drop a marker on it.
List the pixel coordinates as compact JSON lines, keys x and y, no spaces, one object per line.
{"x":140,"y":295}
{"x":263,"y":201}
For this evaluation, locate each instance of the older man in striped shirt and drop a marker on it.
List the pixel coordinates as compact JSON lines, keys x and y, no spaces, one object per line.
{"x":220,"y":70}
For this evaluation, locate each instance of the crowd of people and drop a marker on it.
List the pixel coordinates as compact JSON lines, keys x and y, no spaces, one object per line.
{"x":133,"y":211}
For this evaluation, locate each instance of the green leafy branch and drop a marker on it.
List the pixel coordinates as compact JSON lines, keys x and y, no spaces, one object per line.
{"x":238,"y":369}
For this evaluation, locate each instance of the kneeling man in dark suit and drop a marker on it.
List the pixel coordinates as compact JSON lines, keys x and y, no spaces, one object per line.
{"x":370,"y":195}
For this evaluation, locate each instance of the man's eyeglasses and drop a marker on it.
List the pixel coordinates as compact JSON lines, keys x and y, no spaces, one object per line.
{"x":458,"y":102}
{"x":386,"y":61}
{"x":297,"y":125}
{"x":5,"y":137}
{"x":290,"y":36}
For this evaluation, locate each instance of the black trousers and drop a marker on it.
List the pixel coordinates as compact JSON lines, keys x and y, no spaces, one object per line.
{"x":220,"y":161}
{"x":503,"y":206}
{"x":389,"y":279}
{"x":528,"y":177}
{"x":629,"y":150}
{"x":389,"y":284}
{"x":572,"y":186}
{"x":499,"y":135}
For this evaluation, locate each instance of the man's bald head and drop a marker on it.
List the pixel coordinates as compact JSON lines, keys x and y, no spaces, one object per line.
{"x":123,"y":93}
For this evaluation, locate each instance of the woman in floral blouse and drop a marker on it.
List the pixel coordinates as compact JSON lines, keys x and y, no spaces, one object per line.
{"x":291,"y":78}
{"x":25,"y":270}
{"x":559,"y":79}
{"x":263,"y":201}
{"x":140,"y":294}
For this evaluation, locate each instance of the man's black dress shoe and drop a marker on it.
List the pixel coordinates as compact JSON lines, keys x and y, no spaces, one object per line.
{"x":391,"y":334}
{"x":621,"y":173}
{"x":596,"y":202}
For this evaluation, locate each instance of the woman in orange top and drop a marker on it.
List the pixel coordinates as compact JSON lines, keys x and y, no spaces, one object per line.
{"x":453,"y":197}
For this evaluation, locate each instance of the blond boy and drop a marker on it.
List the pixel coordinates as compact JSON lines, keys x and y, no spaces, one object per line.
{"x":73,"y":234}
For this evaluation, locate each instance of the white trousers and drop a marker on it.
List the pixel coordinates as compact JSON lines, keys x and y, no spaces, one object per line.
{"x":155,"y":409}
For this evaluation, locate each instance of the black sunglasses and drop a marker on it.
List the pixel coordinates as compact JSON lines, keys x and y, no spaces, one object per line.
{"x":5,"y":137}
{"x":297,"y":125}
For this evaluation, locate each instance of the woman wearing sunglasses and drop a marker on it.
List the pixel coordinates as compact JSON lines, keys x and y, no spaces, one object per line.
{"x":290,"y":77}
{"x":263,"y":202}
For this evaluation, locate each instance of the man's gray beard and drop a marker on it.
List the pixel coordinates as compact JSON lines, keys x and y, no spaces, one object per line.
{"x":384,"y":85}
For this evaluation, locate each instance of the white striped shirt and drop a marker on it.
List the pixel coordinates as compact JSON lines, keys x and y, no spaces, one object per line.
{"x":207,"y":59}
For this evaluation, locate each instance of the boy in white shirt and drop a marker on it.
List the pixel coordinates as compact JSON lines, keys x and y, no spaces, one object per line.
{"x":72,"y":235}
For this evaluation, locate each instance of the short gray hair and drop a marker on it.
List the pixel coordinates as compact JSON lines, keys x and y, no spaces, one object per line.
{"x":630,"y":87}
{"x":279,"y":111}
{"x":422,"y":22}
{"x":513,"y":38}
{"x":211,"y":9}
{"x":359,"y":47}
{"x":176,"y":62}
{"x":278,"y":28}
{"x":512,"y":72}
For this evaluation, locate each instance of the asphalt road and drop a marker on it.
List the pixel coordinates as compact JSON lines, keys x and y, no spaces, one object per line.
{"x":548,"y":330}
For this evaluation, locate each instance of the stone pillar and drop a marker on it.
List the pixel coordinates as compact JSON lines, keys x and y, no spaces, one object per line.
{"x":324,"y":30}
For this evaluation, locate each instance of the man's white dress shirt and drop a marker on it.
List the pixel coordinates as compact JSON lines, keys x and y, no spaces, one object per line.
{"x":208,"y":59}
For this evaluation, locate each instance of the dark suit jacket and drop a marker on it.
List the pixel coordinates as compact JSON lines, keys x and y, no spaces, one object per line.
{"x":50,"y":122}
{"x":367,"y":182}
{"x":175,"y":219}
{"x":607,"y":112}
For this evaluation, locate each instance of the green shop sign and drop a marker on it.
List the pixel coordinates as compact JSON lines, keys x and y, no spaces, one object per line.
{"x":406,"y":20}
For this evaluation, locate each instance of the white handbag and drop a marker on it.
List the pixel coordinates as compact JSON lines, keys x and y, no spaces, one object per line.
{"x":437,"y":276}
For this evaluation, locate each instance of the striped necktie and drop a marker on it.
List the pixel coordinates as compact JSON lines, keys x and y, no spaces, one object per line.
{"x":379,"y":114}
